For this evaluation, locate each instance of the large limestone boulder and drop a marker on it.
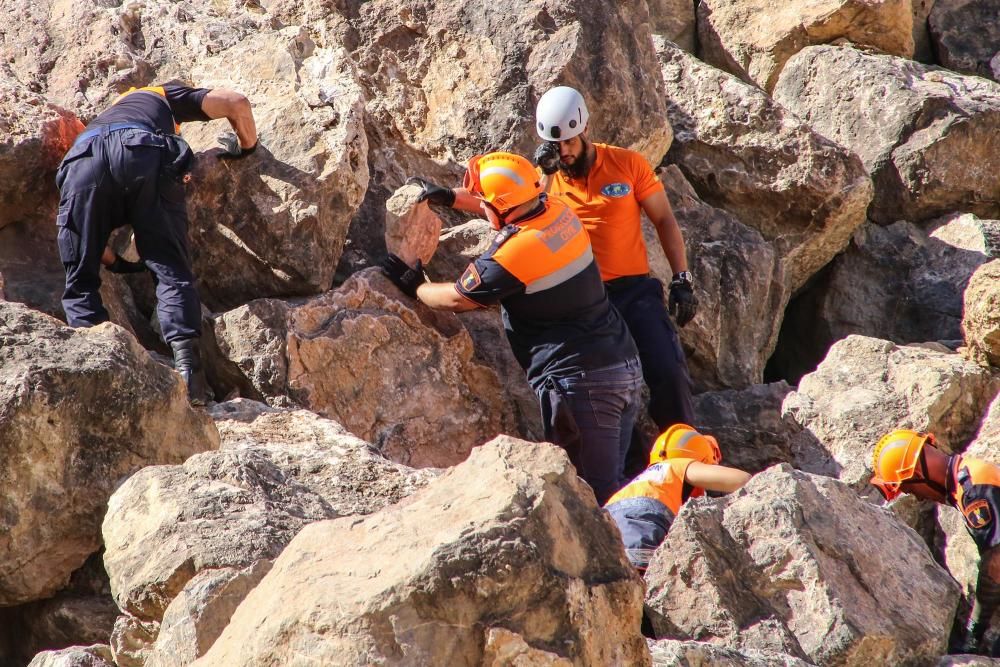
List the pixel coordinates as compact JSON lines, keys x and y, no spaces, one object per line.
{"x":966,"y":35}
{"x":389,"y":369}
{"x":274,"y":224}
{"x":800,"y":564}
{"x":677,"y":653}
{"x":469,"y":76}
{"x":240,"y":506}
{"x":81,"y":55}
{"x":80,"y":410}
{"x":98,"y":655}
{"x":674,"y":20}
{"x":34,"y":136}
{"x":928,"y":136}
{"x":867,"y":387}
{"x":739,"y":284}
{"x":747,"y":155}
{"x":753,"y":39}
{"x":749,"y":425}
{"x":901,"y":282}
{"x":981,"y":321}
{"x":505,"y":554}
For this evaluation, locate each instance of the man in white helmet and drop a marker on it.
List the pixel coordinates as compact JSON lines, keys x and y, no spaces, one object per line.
{"x":609,"y":188}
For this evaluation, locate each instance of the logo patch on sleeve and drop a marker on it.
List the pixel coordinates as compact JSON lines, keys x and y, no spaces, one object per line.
{"x":470,"y":280}
{"x":978,"y":514}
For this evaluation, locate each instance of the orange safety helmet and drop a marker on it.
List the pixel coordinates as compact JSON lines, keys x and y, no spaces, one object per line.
{"x":504,"y":180}
{"x":895,"y":459}
{"x":680,"y":441}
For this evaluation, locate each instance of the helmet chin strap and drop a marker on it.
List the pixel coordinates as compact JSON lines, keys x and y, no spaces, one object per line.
{"x":926,"y":479}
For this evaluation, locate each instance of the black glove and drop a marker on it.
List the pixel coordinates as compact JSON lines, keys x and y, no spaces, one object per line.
{"x":683,"y":304}
{"x":547,"y":157}
{"x":122,"y":265}
{"x":405,"y":278}
{"x":231,"y":149}
{"x":433,"y":193}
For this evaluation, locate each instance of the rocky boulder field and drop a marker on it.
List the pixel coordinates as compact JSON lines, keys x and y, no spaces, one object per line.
{"x":368,"y":486}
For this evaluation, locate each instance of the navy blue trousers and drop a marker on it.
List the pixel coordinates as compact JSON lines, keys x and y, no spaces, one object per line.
{"x":126,"y":177}
{"x":590,"y":414}
{"x":664,"y":367}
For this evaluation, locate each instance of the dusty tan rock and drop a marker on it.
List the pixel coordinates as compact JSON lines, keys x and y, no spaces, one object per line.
{"x":739,"y":284}
{"x":981,"y":320}
{"x":391,"y":370}
{"x":132,"y":640}
{"x":35,"y":136}
{"x":867,"y":387}
{"x":747,"y":155}
{"x":200,"y":612}
{"x":928,"y":136}
{"x":98,"y":655}
{"x":79,"y":411}
{"x":274,"y":224}
{"x":427,"y":581}
{"x":754,"y":39}
{"x":277,"y":472}
{"x":986,"y":444}
{"x":789,"y":564}
{"x":676,"y":653}
{"x":966,"y":35}
{"x":674,"y":20}
{"x":411,"y":227}
{"x":459,"y":246}
{"x":749,"y":425}
{"x":900,"y":282}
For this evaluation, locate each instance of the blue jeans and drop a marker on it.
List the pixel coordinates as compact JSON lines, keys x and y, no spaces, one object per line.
{"x":590,"y":414}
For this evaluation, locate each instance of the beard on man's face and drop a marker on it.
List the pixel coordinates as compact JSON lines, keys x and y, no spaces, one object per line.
{"x":581,"y":165}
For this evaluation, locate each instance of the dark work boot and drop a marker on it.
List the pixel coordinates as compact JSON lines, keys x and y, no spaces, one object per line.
{"x":187,"y":362}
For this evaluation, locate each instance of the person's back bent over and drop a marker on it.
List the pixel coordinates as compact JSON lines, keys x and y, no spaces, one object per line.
{"x":127,"y":168}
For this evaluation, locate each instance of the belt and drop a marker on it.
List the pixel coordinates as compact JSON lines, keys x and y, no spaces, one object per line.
{"x":625,"y":282}
{"x":105,"y":129}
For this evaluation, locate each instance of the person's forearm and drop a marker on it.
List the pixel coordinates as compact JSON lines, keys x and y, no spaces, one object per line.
{"x":672,"y":242}
{"x":466,"y":201}
{"x":234,"y":107}
{"x":444,"y":296}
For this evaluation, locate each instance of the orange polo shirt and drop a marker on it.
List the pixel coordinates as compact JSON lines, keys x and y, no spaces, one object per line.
{"x":607,"y":202}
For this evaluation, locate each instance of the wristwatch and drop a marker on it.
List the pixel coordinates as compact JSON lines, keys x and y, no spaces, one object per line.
{"x":684,"y":277}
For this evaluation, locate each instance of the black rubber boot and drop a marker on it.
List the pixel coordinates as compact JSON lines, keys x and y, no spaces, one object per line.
{"x":187,"y":362}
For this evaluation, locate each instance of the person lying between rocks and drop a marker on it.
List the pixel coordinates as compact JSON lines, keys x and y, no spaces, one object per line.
{"x":908,"y":461}
{"x":683,"y":464}
{"x":573,"y":345}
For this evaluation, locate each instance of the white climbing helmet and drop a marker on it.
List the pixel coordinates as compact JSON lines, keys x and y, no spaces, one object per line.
{"x":561,"y":114}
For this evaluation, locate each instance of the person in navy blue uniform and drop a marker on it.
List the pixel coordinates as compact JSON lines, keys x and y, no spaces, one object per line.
{"x":129,"y":167}
{"x":908,"y":461}
{"x":572,"y":344}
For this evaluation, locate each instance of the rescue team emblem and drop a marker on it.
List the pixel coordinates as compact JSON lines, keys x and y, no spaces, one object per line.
{"x":977,"y":514}
{"x":616,"y":190}
{"x":470,"y":280}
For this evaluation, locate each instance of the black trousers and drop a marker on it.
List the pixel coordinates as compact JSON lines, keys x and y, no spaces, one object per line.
{"x":639,"y":299}
{"x":126,"y":177}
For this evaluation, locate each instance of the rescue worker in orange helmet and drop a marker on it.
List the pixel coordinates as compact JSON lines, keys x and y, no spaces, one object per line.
{"x":682,"y":465}
{"x":609,"y":188}
{"x":907,"y":461}
{"x":128,"y":167}
{"x":572,"y":344}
